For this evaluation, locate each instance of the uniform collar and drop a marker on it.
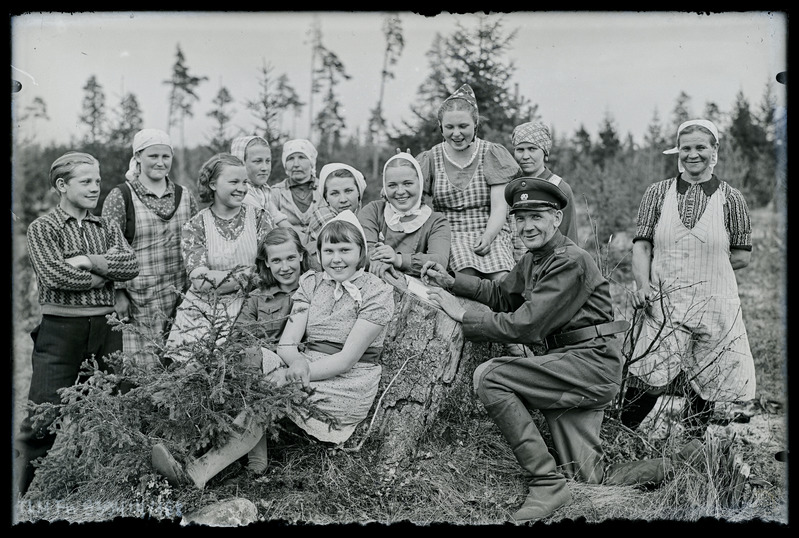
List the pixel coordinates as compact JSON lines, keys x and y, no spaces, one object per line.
{"x":709,"y":186}
{"x":554,"y":242}
{"x":64,"y":217}
{"x":273,"y":291}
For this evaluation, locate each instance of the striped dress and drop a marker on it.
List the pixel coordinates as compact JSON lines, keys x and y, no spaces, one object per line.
{"x":468,"y":208}
{"x":703,"y":332}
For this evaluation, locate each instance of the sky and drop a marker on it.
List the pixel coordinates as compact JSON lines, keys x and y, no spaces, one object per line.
{"x":578,"y":67}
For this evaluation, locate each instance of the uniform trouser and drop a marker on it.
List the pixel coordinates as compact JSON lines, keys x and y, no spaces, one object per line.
{"x":60,"y":345}
{"x":572,"y":398}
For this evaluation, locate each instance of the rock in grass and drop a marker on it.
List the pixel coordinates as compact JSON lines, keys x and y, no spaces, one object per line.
{"x":229,"y":513}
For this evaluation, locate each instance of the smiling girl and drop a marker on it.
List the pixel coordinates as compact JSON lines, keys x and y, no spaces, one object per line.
{"x":402,"y":233}
{"x":220,"y":239}
{"x":256,"y":155}
{"x":341,"y":187}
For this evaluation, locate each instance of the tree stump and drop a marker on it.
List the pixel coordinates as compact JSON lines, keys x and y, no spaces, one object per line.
{"x":426,"y":364}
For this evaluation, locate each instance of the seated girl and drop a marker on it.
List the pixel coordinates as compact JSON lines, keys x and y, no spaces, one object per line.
{"x":256,"y":155}
{"x":341,"y":187}
{"x":402,"y":233}
{"x":341,"y":315}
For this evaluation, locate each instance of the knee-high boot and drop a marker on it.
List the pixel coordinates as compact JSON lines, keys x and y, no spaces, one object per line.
{"x":547,"y":488}
{"x":636,"y":406}
{"x":201,"y":470}
{"x":697,"y":415}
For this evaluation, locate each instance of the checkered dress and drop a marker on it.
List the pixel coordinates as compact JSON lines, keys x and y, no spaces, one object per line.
{"x":154,"y":293}
{"x":467,"y":210}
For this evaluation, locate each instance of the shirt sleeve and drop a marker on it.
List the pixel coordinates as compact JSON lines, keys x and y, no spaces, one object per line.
{"x":649,"y":211}
{"x":554,"y":300}
{"x":438,"y":246}
{"x":305,"y":290}
{"x":119,"y":261}
{"x":739,"y":225}
{"x":47,"y":259}
{"x":194,"y":207}
{"x":378,"y":301}
{"x":499,"y":165}
{"x":192,"y":244}
{"x":114,"y":208}
{"x":264,"y":221}
{"x":368,"y":217}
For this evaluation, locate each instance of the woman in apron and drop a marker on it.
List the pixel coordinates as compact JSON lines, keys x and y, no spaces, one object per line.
{"x":219,"y":248}
{"x":693,"y":233}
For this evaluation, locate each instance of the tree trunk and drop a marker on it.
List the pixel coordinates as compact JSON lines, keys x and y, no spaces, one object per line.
{"x":426,"y":364}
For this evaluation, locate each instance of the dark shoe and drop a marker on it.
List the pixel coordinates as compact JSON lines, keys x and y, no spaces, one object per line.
{"x":541,"y":502}
{"x":166,"y":465}
{"x":637,"y":405}
{"x":650,"y":472}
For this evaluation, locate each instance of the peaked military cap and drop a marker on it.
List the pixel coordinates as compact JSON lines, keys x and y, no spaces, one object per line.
{"x":533,"y":193}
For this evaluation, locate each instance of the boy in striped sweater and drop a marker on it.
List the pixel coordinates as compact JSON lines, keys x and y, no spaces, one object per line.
{"x":77,"y":257}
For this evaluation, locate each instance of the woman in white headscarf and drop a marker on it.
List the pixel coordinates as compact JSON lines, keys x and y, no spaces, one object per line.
{"x":341,"y":187}
{"x":297,"y":196}
{"x":402,"y":232}
{"x":255,"y":153}
{"x":151,"y":210}
{"x":693,"y":232}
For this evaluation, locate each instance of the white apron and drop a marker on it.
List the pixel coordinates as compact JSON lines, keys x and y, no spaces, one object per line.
{"x":703,"y":333}
{"x":222,"y":254}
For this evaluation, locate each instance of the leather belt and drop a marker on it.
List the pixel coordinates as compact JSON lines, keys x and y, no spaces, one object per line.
{"x":586,"y":333}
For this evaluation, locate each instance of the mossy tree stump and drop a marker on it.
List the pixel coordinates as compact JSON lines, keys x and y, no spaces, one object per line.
{"x":427,"y":364}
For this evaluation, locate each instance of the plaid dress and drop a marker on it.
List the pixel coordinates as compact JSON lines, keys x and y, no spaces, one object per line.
{"x":154,"y":294}
{"x":468,"y":210}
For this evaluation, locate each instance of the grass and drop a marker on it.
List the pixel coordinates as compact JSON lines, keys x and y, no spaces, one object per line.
{"x":464,"y":472}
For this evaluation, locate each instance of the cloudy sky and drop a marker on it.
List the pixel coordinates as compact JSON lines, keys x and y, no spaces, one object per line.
{"x":578,"y":67}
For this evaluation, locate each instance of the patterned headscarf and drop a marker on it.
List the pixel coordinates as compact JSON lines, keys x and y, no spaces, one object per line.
{"x":707,"y":124}
{"x":466,"y":93}
{"x":239,"y":145}
{"x":329,"y":168}
{"x":535,"y":133}
{"x":300,"y":145}
{"x":144,"y":139}
{"x":419,"y":212}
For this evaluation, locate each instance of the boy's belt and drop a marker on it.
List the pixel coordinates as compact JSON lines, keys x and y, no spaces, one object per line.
{"x":576,"y":336}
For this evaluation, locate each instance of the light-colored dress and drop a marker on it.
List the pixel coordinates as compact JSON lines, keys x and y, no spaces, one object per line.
{"x":703,"y":332}
{"x":283,"y":201}
{"x":218,"y":251}
{"x":467,"y":207}
{"x":349,"y":396}
{"x":261,"y":197}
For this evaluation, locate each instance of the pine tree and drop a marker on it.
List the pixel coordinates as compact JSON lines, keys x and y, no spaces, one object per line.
{"x":219,"y":141}
{"x":329,"y":121}
{"x":93,"y":114}
{"x":682,"y":111}
{"x":127,"y":123}
{"x":182,"y":96}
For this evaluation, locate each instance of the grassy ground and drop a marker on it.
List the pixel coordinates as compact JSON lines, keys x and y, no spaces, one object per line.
{"x":465,"y":474}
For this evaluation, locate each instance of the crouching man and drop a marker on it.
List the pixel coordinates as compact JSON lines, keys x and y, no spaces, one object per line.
{"x":556,"y":303}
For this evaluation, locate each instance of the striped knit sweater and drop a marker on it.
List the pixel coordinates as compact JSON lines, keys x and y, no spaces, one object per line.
{"x":65,"y":290}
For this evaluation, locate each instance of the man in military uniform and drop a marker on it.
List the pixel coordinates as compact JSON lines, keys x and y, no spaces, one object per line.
{"x":556,"y":303}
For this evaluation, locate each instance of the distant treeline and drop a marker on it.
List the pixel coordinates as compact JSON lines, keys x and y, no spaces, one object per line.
{"x":608,"y":174}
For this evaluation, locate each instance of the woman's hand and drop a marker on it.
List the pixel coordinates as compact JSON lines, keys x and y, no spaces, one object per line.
{"x":121,"y":305}
{"x":434,"y":273}
{"x":447,"y":302}
{"x":299,"y":371}
{"x":642,"y":297}
{"x":383,"y":253}
{"x":379,"y":269}
{"x":483,"y":246}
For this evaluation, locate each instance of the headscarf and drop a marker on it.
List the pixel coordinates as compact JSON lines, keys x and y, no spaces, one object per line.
{"x":707,"y":124}
{"x":466,"y":93}
{"x":144,"y":139}
{"x":329,"y":168}
{"x":300,"y":145}
{"x":535,"y":133}
{"x":239,"y":145}
{"x":347,"y":285}
{"x":419,"y":212}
